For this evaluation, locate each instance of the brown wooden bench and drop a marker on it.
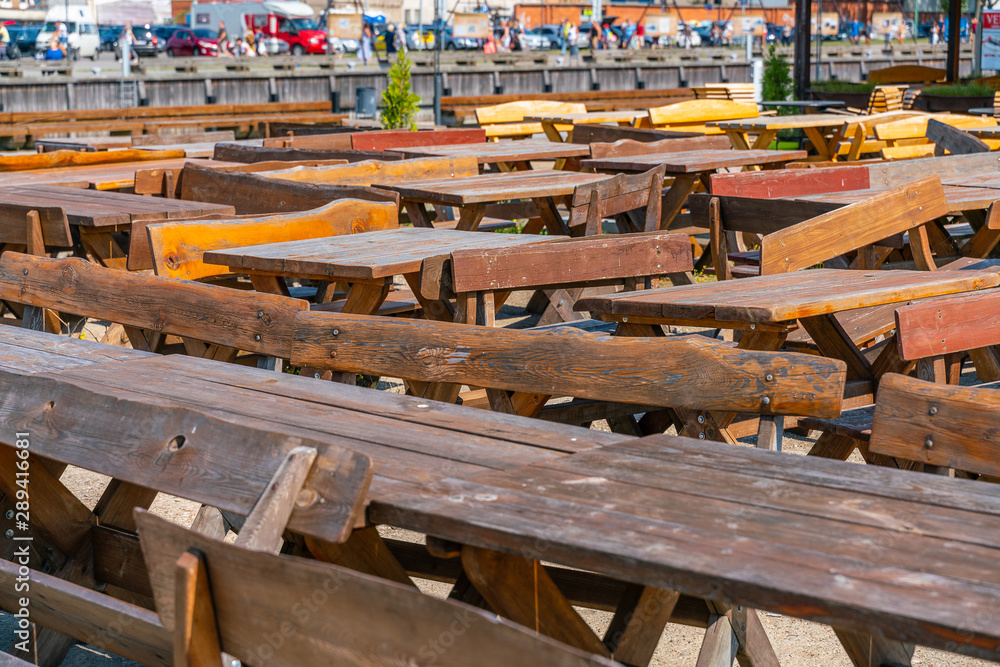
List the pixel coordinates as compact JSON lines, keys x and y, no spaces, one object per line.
{"x":693,"y":116}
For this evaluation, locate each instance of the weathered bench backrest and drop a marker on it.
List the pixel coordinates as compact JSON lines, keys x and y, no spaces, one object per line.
{"x":251,"y":154}
{"x":906,"y":74}
{"x":516,"y":112}
{"x":373,"y":172}
{"x":692,"y":371}
{"x":591,"y":133}
{"x":79,"y":158}
{"x":916,"y":126}
{"x":698,"y":112}
{"x":251,"y":194}
{"x":16,"y":221}
{"x":618,"y":195}
{"x":178,"y":247}
{"x":388,"y":139}
{"x":368,"y":612}
{"x":239,"y":319}
{"x":936,"y":424}
{"x":626,"y":147}
{"x":853,"y":226}
{"x":933,"y":327}
{"x":790,"y":182}
{"x":183,"y":138}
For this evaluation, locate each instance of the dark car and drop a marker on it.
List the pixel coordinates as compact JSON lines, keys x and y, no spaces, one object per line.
{"x":196,"y":42}
{"x":109,"y":36}
{"x":24,"y":37}
{"x":163,"y":34}
{"x":145,"y":43}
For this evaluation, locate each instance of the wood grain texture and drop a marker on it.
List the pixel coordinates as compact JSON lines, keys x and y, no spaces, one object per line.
{"x":789,"y":183}
{"x":501,"y":151}
{"x":233,"y":318}
{"x":361,"y":615}
{"x":954,"y":140}
{"x":251,"y":194}
{"x":688,"y":162}
{"x":850,"y":227}
{"x":699,"y":112}
{"x":936,"y":424}
{"x":254,"y":154}
{"x":935,"y":327}
{"x":372,"y":172}
{"x":196,"y":638}
{"x":52,"y":220}
{"x":57,"y":159}
{"x":178,"y":248}
{"x":600,"y":148}
{"x":394,"y":139}
{"x":80,"y":612}
{"x":687,"y":372}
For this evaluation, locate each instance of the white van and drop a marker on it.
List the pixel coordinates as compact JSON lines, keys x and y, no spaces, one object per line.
{"x":84,"y":40}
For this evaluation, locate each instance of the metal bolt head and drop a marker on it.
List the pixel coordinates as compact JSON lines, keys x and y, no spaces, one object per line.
{"x":316,"y":375}
{"x":933,"y":411}
{"x":260,"y":313}
{"x":701,"y":436}
{"x":336,"y":332}
{"x":767,"y":400}
{"x":256,"y":336}
{"x":9,"y":534}
{"x":701,"y":419}
{"x":10,"y":514}
{"x":624,"y":319}
{"x":752,"y":326}
{"x":928,"y":443}
{"x":26,"y":272}
{"x":769,"y":377}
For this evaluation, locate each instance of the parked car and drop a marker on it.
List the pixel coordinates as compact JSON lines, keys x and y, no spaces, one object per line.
{"x":145,"y":43}
{"x":197,"y":42}
{"x":109,"y":36}
{"x":23,"y":36}
{"x":163,"y":34}
{"x":550,"y":32}
{"x":536,"y":41}
{"x":415,"y":42}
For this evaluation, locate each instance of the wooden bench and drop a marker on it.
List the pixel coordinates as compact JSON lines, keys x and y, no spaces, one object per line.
{"x":906,"y":74}
{"x":63,"y":158}
{"x":692,"y":116}
{"x":932,"y":337}
{"x":507,"y":120}
{"x":591,"y":133}
{"x":908,"y":138}
{"x":378,"y":140}
{"x":735,"y":92}
{"x":252,"y":154}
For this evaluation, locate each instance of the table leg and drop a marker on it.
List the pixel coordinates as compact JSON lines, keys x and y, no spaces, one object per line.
{"x":551,"y":132}
{"x":739,"y":139}
{"x":674,"y":200}
{"x":103,"y":248}
{"x":832,"y":341}
{"x":470,"y":217}
{"x":764,"y":139}
{"x":819,"y":142}
{"x":417,"y":213}
{"x":549,"y":213}
{"x":735,"y":631}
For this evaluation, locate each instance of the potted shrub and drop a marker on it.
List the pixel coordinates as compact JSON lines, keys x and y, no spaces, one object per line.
{"x":958,"y":97}
{"x":852,"y":94}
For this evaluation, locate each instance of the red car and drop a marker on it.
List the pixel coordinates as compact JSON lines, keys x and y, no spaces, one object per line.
{"x":188,"y":42}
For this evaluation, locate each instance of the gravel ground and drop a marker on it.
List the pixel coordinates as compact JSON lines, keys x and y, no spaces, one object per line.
{"x":796,"y":642}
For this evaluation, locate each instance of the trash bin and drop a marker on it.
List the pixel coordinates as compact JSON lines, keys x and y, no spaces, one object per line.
{"x":364,"y":102}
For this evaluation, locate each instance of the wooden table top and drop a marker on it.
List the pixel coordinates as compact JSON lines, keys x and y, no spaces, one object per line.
{"x":786,"y":297}
{"x":988,"y":132}
{"x":791,"y":534}
{"x":587,"y":117}
{"x":781,"y":122}
{"x":93,"y":143}
{"x":689,"y":162}
{"x":99,"y":177}
{"x":486,"y":188}
{"x":959,"y":198}
{"x":412,"y":441}
{"x":492,"y":152}
{"x":365,"y":256}
{"x":98,"y":208}
{"x":980,"y":179}
{"x":205,"y":149}
{"x":806,"y":104}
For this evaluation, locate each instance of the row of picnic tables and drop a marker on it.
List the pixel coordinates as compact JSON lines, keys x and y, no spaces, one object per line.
{"x":661,"y":512}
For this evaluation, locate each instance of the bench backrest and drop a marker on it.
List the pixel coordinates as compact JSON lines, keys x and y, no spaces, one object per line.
{"x":616,"y":197}
{"x":699,"y":112}
{"x":590,"y":133}
{"x":854,"y":226}
{"x":242,"y":320}
{"x":933,"y":327}
{"x":916,"y":127}
{"x":183,"y":138}
{"x":789,"y":182}
{"x":388,"y":139}
{"x":34,"y":226}
{"x":57,"y":159}
{"x":674,"y":372}
{"x":626,"y":147}
{"x":368,"y":612}
{"x":885,"y":98}
{"x":372,"y":172}
{"x":906,"y":74}
{"x":252,"y":194}
{"x":251,"y":154}
{"x":178,"y":247}
{"x":939,"y":425}
{"x":516,"y":112}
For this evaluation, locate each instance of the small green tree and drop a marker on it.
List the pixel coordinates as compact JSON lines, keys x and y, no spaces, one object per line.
{"x":399,"y":103}
{"x":777,"y":85}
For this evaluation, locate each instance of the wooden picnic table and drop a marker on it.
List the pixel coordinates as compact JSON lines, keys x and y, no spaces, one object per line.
{"x":86,"y":144}
{"x":205,"y":149}
{"x":506,"y":155}
{"x":688,"y":169}
{"x":367,"y":262}
{"x":768,"y":308}
{"x":473,"y":193}
{"x":808,"y":106}
{"x":99,"y":214}
{"x":118,"y":176}
{"x":815,"y":126}
{"x":661,"y":513}
{"x":550,"y":121}
{"x":959,"y":198}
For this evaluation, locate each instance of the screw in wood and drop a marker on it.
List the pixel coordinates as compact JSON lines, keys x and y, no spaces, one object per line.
{"x":9,"y":534}
{"x":10,"y":514}
{"x":256,"y":336}
{"x":336,"y":332}
{"x":933,"y":411}
{"x":769,"y":377}
{"x":701,"y":436}
{"x":767,"y":400}
{"x":260,"y":313}
{"x":928,"y":443}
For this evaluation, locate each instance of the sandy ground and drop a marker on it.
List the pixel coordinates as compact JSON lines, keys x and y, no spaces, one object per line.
{"x":796,"y":642}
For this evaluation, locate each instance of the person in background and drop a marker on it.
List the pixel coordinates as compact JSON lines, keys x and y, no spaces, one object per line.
{"x":594,"y":37}
{"x":935,"y":34}
{"x":4,"y":41}
{"x":400,"y":39}
{"x":505,"y":37}
{"x":247,"y":46}
{"x":390,"y":40}
{"x":54,"y":52}
{"x":62,"y":35}
{"x":223,"y":40}
{"x":259,"y":42}
{"x":367,"y":44}
{"x":573,"y":37}
{"x":640,"y":37}
{"x":564,"y":35}
{"x":128,"y":44}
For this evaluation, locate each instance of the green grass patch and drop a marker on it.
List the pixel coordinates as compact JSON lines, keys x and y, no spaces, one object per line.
{"x":837,"y":86}
{"x":960,"y":90}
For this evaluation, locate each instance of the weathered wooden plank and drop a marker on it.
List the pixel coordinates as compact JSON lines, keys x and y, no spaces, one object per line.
{"x":177,"y":248}
{"x":52,"y":219}
{"x":368,"y":612}
{"x":936,"y":424}
{"x":688,"y":372}
{"x":950,"y":324}
{"x":371,"y":172}
{"x":57,"y":159}
{"x":234,"y":318}
{"x":789,"y":183}
{"x":852,"y":226}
